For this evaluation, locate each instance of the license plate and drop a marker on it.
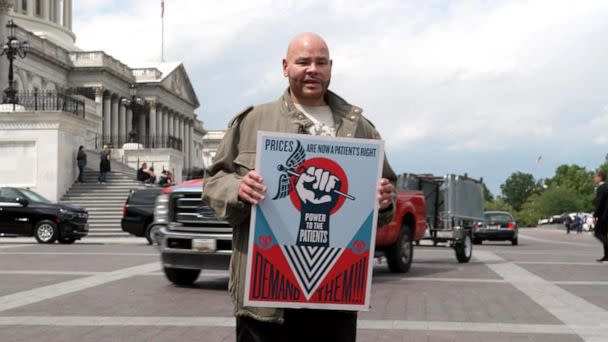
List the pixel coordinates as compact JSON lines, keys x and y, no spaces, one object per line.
{"x":204,"y":245}
{"x":494,"y":227}
{"x":445,"y":235}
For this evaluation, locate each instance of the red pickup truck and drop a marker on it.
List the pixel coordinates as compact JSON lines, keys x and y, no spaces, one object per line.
{"x":396,"y":239}
{"x":192,"y":238}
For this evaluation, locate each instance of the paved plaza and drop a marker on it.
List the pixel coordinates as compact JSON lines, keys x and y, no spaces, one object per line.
{"x":549,"y":288}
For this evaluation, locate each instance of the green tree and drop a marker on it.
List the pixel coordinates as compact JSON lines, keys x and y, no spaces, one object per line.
{"x":529,"y":214}
{"x":518,"y":188}
{"x":555,"y":201}
{"x":487,"y":194}
{"x":576,"y":179}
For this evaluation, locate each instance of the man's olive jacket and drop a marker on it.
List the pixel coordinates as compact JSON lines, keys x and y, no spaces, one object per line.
{"x":236,"y":157}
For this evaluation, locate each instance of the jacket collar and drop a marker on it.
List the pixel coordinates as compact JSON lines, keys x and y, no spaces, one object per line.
{"x":343,"y":111}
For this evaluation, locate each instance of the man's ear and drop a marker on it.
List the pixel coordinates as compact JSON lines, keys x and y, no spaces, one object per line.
{"x":284,"y":67}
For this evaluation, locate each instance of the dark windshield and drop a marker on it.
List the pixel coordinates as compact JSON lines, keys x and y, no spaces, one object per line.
{"x":498,"y":217}
{"x":33,"y":197}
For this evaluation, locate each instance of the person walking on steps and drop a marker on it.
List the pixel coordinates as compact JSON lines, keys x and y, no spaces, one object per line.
{"x":81,"y":160}
{"x":104,"y":165}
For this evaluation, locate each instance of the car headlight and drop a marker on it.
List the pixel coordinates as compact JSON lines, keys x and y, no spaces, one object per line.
{"x":161,"y":209}
{"x":66,"y":214}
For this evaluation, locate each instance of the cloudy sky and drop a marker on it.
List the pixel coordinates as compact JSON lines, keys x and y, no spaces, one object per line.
{"x":483,"y":87}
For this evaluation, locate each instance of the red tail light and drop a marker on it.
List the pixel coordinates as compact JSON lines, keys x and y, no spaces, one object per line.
{"x":511,"y":225}
{"x":124,"y":211}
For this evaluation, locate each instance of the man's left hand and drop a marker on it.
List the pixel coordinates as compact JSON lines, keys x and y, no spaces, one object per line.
{"x":386,"y":193}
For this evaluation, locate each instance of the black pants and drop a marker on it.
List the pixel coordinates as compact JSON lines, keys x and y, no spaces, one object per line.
{"x":300,"y":325}
{"x":601,"y":233}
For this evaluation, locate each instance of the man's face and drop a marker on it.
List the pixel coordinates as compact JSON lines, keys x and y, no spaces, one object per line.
{"x":308,"y":68}
{"x":597,"y":179}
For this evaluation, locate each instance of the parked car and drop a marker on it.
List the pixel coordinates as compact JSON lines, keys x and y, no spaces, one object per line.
{"x":26,"y":213}
{"x":499,"y":226}
{"x":138,"y":213}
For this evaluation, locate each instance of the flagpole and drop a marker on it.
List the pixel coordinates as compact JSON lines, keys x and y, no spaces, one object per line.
{"x":162,"y":33}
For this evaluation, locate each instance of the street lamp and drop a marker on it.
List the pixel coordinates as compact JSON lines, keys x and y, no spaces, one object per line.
{"x":12,"y":48}
{"x":135,"y":103}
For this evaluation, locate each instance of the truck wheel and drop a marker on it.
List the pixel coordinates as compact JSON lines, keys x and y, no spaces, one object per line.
{"x":464,"y":249}
{"x":46,"y":231}
{"x":400,"y":254}
{"x":151,"y":234}
{"x":181,"y":276}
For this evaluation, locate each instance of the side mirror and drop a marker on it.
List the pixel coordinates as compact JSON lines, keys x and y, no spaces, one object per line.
{"x":24,"y":202}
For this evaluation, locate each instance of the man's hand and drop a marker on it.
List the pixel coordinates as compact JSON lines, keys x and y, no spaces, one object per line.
{"x":321,"y":180}
{"x":386,"y":192}
{"x":252,"y":188}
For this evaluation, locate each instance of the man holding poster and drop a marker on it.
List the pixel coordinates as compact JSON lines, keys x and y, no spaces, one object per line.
{"x":308,"y":180}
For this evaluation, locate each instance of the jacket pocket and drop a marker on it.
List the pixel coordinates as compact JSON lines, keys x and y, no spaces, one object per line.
{"x":245,"y":162}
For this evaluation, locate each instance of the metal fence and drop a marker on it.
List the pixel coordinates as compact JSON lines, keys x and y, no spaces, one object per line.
{"x":147,"y":141}
{"x":50,"y":101}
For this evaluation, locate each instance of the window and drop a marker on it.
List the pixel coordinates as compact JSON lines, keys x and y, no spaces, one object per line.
{"x":39,"y":8}
{"x":8,"y":195}
{"x":24,"y":6}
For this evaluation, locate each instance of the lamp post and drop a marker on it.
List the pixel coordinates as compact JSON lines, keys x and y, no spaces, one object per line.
{"x":135,"y":103}
{"x":12,"y":48}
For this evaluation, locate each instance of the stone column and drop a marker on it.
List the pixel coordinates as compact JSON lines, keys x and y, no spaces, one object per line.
{"x":175,"y":125}
{"x":31,"y":6}
{"x":57,"y":9}
{"x":187,"y":144}
{"x":122,"y":123}
{"x":165,"y":126}
{"x":45,"y":9}
{"x":159,"y":125}
{"x":129,"y":121}
{"x":142,"y":126}
{"x":107,"y":119}
{"x":114,"y":129}
{"x":182,"y":135}
{"x":191,"y":143}
{"x":67,"y":14}
{"x":152,"y":132}
{"x":170,"y":118}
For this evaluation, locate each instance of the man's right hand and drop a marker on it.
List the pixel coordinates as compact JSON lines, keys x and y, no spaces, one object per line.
{"x":252,"y":188}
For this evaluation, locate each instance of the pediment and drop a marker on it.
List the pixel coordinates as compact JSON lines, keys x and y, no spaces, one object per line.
{"x":179,"y":83}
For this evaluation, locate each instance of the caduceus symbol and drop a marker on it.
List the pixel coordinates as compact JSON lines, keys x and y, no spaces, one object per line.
{"x":296,"y":158}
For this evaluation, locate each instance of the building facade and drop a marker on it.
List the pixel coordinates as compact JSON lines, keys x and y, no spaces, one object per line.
{"x":143,"y":111}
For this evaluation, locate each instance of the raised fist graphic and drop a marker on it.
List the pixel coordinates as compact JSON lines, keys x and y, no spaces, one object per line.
{"x":315,"y":186}
{"x":316,"y":189}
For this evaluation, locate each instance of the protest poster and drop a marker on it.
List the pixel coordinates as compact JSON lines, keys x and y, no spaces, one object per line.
{"x":311,"y":241}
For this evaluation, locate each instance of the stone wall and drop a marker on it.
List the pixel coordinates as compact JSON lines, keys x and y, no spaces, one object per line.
{"x":38,"y":150}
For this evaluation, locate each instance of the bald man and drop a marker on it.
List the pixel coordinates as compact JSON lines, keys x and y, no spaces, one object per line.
{"x":232,"y":185}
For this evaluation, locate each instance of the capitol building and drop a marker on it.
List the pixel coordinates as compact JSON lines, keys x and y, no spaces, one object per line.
{"x":69,"y":97}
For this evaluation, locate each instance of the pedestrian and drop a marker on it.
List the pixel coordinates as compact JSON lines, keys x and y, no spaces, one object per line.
{"x":568,"y":223}
{"x":600,"y":215}
{"x":81,"y":160}
{"x":232,"y":185}
{"x":578,"y":223}
{"x":104,"y":165}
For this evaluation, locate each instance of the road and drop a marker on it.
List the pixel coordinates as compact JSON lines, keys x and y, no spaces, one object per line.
{"x":549,"y":288}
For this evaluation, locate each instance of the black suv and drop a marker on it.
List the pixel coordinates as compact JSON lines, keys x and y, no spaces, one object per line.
{"x":138,"y":213}
{"x":26,"y":213}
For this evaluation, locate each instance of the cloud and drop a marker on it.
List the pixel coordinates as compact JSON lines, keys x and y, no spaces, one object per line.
{"x":463,"y":80}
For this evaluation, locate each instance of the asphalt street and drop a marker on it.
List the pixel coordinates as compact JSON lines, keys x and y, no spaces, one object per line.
{"x":549,"y":288}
